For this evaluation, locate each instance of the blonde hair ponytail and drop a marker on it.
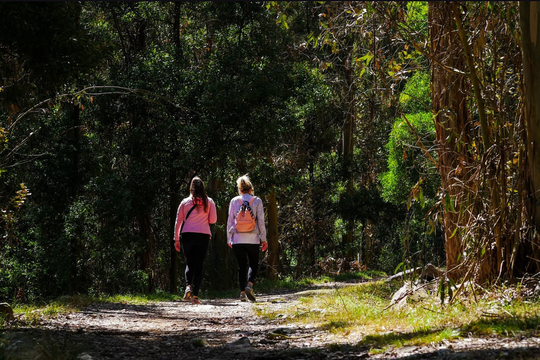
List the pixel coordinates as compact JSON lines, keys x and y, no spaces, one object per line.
{"x":244,"y":185}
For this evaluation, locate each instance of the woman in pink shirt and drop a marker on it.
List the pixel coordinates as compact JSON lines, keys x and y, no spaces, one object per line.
{"x":193,"y":219}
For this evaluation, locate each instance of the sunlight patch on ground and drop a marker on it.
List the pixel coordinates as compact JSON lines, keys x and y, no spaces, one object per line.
{"x":361,"y":314}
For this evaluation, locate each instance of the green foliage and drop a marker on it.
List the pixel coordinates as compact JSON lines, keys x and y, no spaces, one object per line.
{"x":202,"y":106}
{"x":215,"y":89}
{"x":407,"y":163}
{"x":411,"y":179}
{"x":417,"y":17}
{"x":416,"y":96}
{"x":47,"y":43}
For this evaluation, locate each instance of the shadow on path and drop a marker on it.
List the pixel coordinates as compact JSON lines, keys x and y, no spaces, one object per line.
{"x":219,"y":329}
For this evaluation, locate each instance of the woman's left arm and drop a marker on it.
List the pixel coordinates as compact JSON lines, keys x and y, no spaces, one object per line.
{"x":212,"y":213}
{"x":260,"y":220}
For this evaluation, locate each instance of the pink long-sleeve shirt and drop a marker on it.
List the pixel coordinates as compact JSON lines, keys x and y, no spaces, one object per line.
{"x":198,"y":221}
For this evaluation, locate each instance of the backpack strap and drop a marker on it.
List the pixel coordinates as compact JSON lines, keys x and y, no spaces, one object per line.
{"x":250,"y":208}
{"x":190,"y":210}
{"x":250,"y":202}
{"x":189,"y":213}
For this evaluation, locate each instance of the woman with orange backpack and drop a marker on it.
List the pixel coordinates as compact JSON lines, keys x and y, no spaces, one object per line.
{"x":245,"y":232}
{"x":193,"y":219}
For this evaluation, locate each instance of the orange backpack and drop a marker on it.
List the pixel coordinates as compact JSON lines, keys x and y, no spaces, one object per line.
{"x":245,"y":220}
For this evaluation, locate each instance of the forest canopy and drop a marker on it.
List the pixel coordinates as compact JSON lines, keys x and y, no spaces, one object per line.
{"x":380,"y":135}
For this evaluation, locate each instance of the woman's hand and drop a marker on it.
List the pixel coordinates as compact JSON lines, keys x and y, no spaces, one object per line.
{"x":177,"y":245}
{"x":264,"y":246}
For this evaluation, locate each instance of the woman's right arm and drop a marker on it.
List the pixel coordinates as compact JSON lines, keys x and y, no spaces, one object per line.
{"x":230,"y":223}
{"x":179,"y":221}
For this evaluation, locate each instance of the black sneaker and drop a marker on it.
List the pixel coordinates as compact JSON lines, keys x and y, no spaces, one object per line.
{"x":187,"y":293}
{"x":249,"y":293}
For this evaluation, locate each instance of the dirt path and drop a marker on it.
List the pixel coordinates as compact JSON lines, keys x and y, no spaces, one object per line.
{"x":229,"y":329}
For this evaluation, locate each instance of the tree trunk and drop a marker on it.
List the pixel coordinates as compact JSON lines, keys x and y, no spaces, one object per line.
{"x":273,"y":243}
{"x":174,"y":199}
{"x":174,"y":202}
{"x":220,"y":266}
{"x":176,"y":31}
{"x":491,"y":262}
{"x":452,"y":124}
{"x":146,"y":257}
{"x":348,"y":149}
{"x":300,"y":262}
{"x":75,"y":180}
{"x":367,"y":232}
{"x":529,"y":13}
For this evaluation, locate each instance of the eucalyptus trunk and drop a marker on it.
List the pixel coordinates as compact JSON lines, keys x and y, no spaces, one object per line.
{"x":452,"y":125}
{"x":174,"y":202}
{"x":272,"y":235}
{"x":348,"y":149}
{"x":74,"y":245}
{"x":530,"y":47}
{"x":491,"y":262}
{"x":145,"y":226}
{"x":174,"y":198}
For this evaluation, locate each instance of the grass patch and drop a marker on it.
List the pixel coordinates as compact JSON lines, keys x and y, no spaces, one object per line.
{"x":32,"y":314}
{"x":289,"y":283}
{"x":264,"y":286}
{"x":510,"y":326}
{"x":361,"y":275}
{"x":420,"y":337}
{"x":285,"y":284}
{"x":335,"y":325}
{"x":140,"y":299}
{"x":362,"y":311}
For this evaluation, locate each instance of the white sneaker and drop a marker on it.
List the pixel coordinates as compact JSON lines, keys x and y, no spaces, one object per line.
{"x":187,"y":293}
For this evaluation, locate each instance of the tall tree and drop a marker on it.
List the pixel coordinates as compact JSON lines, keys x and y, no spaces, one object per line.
{"x":452,"y":124}
{"x":475,"y":91}
{"x":530,"y":45}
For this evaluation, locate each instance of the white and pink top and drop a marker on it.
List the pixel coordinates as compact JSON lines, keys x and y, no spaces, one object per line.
{"x":258,"y":234}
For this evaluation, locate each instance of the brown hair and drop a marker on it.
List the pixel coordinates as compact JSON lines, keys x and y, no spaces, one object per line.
{"x":244,"y":185}
{"x":198,"y":192}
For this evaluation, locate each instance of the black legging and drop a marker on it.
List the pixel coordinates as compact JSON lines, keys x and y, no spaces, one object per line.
{"x":194,"y":246}
{"x":247,"y":255}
